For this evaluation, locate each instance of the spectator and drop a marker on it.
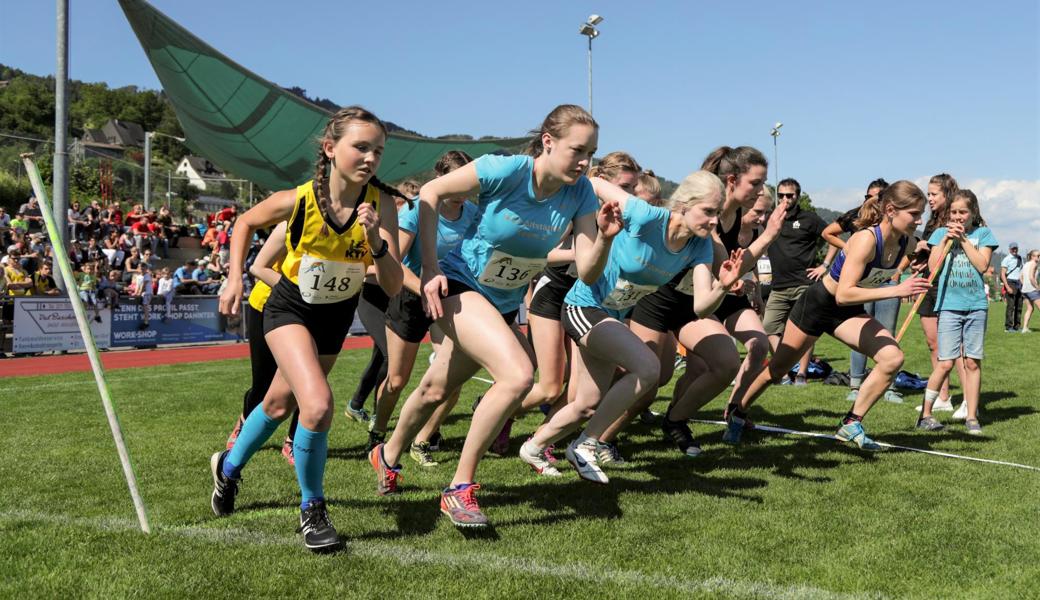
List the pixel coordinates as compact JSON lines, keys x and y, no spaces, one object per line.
{"x":5,"y":227}
{"x":19,"y":224}
{"x":135,"y":215}
{"x":115,"y":215}
{"x":93,"y":251}
{"x":224,"y":241}
{"x":43,"y":282}
{"x":147,"y":258}
{"x":226,"y":214}
{"x":19,"y":282}
{"x":143,"y":235}
{"x":108,"y":289}
{"x":32,"y":214}
{"x":165,"y":289}
{"x":204,"y":278}
{"x":113,"y":250}
{"x":1011,"y":277}
{"x":143,"y":290}
{"x":87,"y":284}
{"x":77,"y":222}
{"x":209,"y":240}
{"x":183,"y":282}
{"x":1030,"y":288}
{"x":168,"y":233}
{"x":77,"y":256}
{"x":132,"y":265}
{"x":792,"y":258}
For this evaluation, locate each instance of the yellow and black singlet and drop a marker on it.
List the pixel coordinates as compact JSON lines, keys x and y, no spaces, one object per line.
{"x":261,"y":291}
{"x":326,"y":268}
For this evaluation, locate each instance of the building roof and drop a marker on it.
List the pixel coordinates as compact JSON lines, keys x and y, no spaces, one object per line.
{"x":123,"y":133}
{"x":203,"y":167}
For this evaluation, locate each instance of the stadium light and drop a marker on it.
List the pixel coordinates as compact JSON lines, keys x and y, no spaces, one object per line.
{"x":588,"y":29}
{"x":776,"y":160}
{"x":148,"y":135}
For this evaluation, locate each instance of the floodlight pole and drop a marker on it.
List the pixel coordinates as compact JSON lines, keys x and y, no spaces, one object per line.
{"x":148,"y":135}
{"x":61,"y":129}
{"x":776,"y":159}
{"x":588,"y":29}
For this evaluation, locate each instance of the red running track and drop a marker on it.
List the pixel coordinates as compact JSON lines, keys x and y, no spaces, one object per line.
{"x":128,"y":359}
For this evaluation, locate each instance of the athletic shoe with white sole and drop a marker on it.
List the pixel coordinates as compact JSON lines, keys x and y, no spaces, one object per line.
{"x":607,"y":453}
{"x":387,"y":478}
{"x":224,"y":488}
{"x":973,"y":426}
{"x":930,"y":423}
{"x":358,"y":414}
{"x":532,"y":455}
{"x":678,"y":432}
{"x":583,"y":457}
{"x":460,"y":505}
{"x":892,"y":396}
{"x":318,"y":533}
{"x":420,"y":453}
{"x":852,"y":395}
{"x":853,"y":432}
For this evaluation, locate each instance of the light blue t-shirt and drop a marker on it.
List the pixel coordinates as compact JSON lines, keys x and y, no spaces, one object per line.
{"x":1013,"y":265}
{"x":513,"y":232}
{"x":960,"y":285}
{"x":639,"y":262}
{"x":449,"y":233}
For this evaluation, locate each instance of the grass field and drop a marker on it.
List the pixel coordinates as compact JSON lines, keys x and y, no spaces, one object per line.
{"x":779,"y":517}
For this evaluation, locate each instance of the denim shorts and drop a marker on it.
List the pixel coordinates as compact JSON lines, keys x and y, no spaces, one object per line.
{"x":961,"y":329}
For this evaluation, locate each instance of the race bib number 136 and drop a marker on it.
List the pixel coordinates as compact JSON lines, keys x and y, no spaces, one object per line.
{"x":506,"y":272}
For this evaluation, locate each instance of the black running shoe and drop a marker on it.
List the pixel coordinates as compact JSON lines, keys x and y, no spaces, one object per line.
{"x":318,"y":533}
{"x":436,"y":440}
{"x":374,"y":439}
{"x":224,"y":488}
{"x":678,"y":432}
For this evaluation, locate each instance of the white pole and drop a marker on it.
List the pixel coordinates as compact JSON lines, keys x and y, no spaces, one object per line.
{"x":61,"y":257}
{"x":59,"y":236}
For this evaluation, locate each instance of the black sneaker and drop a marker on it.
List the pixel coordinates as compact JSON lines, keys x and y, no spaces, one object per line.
{"x":678,"y":432}
{"x":435,"y":441}
{"x":224,"y":488}
{"x":374,"y":439}
{"x":318,"y":533}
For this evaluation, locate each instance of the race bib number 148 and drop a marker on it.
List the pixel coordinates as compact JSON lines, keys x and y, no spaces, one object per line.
{"x":327,"y":281}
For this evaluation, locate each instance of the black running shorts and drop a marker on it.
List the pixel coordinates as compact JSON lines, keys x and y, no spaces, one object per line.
{"x":665,"y":310}
{"x":578,"y":321}
{"x":328,"y":324}
{"x":817,"y":312}
{"x":405,"y":317}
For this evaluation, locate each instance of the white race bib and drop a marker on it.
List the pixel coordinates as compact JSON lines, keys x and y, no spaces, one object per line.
{"x":625,"y":294}
{"x":506,"y":272}
{"x":685,"y":285}
{"x":324,"y":281}
{"x":876,"y":278}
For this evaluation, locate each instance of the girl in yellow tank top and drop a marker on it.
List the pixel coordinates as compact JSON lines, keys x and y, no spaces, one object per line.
{"x":338,"y":225}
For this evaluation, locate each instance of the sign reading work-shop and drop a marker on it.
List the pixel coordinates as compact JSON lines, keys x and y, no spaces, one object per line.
{"x":190,"y":319}
{"x":49,"y":325}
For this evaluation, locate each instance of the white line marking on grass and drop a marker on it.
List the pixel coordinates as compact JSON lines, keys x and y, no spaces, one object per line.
{"x":487,"y":381}
{"x":773,"y":429}
{"x":484,"y":560}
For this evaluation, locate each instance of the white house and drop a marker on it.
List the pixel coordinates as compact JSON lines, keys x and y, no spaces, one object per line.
{"x":198,"y":170}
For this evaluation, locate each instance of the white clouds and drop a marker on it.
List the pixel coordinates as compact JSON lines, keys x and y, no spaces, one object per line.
{"x":1011,"y":207}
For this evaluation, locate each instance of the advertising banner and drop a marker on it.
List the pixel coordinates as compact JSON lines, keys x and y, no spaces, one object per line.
{"x":47,"y":324}
{"x":191,"y":319}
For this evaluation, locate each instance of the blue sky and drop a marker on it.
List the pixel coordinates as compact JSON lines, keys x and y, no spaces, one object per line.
{"x":900,"y":90}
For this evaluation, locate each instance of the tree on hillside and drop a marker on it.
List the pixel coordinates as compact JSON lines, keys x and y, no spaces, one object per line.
{"x":27,"y":107}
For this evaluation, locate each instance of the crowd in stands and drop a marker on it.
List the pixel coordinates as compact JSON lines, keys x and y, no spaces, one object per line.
{"x":115,"y":254}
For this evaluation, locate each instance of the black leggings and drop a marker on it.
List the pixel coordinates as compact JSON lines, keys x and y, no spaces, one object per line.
{"x":263,"y":366}
{"x":372,"y":312}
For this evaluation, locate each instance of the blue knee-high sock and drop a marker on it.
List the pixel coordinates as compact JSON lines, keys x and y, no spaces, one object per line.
{"x":311,"y":449}
{"x":256,"y":430}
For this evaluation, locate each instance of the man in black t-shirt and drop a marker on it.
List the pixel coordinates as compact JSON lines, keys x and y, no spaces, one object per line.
{"x":792,"y":257}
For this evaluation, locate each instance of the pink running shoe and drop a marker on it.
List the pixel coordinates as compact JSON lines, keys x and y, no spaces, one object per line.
{"x":501,"y":444}
{"x":234,"y":433}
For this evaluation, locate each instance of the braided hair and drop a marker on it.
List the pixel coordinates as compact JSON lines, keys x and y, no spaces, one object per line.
{"x":334,"y":130}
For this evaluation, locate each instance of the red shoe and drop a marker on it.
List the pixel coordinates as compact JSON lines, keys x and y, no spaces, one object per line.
{"x":501,"y":444}
{"x":287,"y":452}
{"x":460,"y":504}
{"x":386,"y":479}
{"x":234,"y":433}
